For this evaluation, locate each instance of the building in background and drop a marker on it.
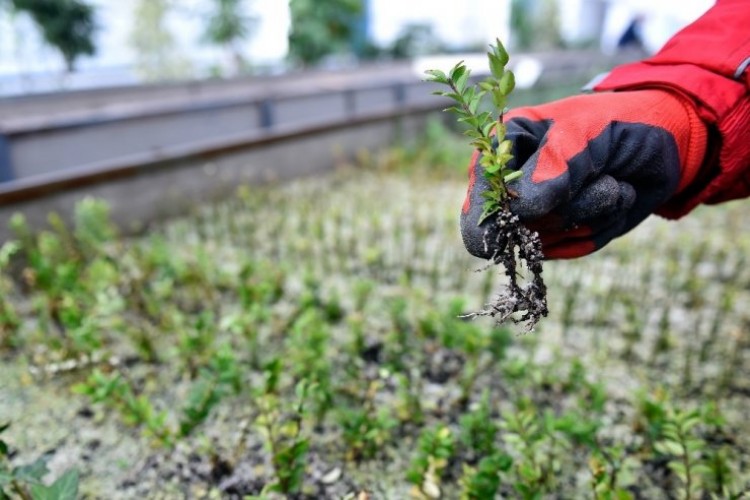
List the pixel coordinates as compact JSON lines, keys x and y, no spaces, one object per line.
{"x":458,"y":25}
{"x":27,"y":65}
{"x":601,"y":23}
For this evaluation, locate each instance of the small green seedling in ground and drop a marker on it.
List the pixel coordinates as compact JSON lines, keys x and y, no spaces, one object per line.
{"x":25,"y":481}
{"x":115,"y":392}
{"x":483,"y":481}
{"x":513,"y":242}
{"x":434,"y":449}
{"x":607,"y":468}
{"x":285,"y":439}
{"x":365,"y":430}
{"x":681,"y":443}
{"x":9,"y":318}
{"x":220,"y":379}
{"x":479,"y":430}
{"x":535,"y":462}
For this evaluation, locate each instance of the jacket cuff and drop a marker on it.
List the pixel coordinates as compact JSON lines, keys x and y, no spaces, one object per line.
{"x":723,"y":105}
{"x":714,"y":94}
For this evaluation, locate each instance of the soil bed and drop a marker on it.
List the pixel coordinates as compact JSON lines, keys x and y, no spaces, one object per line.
{"x":328,"y":281}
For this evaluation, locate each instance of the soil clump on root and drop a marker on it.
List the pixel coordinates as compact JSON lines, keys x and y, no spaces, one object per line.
{"x":512,"y":245}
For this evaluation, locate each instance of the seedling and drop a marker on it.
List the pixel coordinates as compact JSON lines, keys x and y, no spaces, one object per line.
{"x":680,"y":442}
{"x":434,"y":449}
{"x":25,"y":481}
{"x":285,"y":439}
{"x":116,"y":392}
{"x":365,"y":430}
{"x":514,"y":242}
{"x":479,"y":430}
{"x":214,"y":383}
{"x":9,"y":319}
{"x":606,"y":467}
{"x":483,"y":481}
{"x":400,"y":360}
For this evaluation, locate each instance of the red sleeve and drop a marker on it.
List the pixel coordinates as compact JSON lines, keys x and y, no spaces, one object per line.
{"x":708,"y":62}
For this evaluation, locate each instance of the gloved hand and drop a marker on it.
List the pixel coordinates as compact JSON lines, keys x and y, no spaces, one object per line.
{"x":594,"y":166}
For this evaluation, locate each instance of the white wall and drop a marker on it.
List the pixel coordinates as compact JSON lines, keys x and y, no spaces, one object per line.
{"x":457,"y":23}
{"x":22,"y":50}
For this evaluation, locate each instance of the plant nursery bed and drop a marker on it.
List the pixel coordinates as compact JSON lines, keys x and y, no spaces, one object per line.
{"x":307,"y":341}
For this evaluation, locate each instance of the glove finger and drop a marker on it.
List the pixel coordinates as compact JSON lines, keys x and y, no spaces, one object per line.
{"x":602,"y":199}
{"x":553,"y":238}
{"x":576,"y":243}
{"x":472,"y":232}
{"x":536,"y":200}
{"x":594,"y":229}
{"x":594,"y":207}
{"x":525,"y":138}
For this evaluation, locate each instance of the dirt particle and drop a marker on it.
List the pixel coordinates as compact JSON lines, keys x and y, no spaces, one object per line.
{"x":513,"y":245}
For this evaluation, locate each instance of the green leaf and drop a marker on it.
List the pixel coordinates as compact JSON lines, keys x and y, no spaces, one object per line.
{"x":678,"y":468}
{"x":5,"y":478}
{"x":486,"y":117}
{"x":504,"y":158}
{"x":513,"y":176}
{"x":488,"y":212}
{"x":482,"y":143}
{"x":487,"y":85}
{"x":474,"y":105}
{"x":504,"y":147}
{"x":497,"y":67}
{"x":701,"y":470}
{"x":507,"y":83}
{"x":437,"y":76}
{"x":499,"y":100}
{"x":669,"y":448}
{"x":690,"y":421}
{"x":500,"y":52}
{"x":488,"y":127}
{"x":462,"y":81}
{"x":495,"y":167}
{"x":457,"y":72}
{"x":621,"y":494}
{"x":65,"y":488}
{"x":452,"y":109}
{"x":33,"y":472}
{"x":456,"y":97}
{"x":529,"y":472}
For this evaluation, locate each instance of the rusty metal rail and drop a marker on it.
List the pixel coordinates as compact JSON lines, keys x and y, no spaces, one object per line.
{"x":156,"y":151}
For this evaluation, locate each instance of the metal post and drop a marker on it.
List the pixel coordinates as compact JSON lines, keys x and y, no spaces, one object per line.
{"x":399,"y":93}
{"x":6,"y":167}
{"x":266,"y":113}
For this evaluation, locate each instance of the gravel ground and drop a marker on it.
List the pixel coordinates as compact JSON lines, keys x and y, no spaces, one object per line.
{"x":660,"y":315}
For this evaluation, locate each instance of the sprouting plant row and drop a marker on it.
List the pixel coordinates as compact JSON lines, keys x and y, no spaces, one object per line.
{"x":386,"y":364}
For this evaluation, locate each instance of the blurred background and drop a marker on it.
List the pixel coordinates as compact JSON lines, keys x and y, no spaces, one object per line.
{"x":210,"y":207}
{"x":186,"y":96}
{"x":65,"y":44}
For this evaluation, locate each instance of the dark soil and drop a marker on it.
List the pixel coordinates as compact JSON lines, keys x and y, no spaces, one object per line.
{"x":513,"y":246}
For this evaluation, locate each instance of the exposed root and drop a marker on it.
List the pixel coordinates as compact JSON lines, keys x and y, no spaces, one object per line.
{"x":513,"y":244}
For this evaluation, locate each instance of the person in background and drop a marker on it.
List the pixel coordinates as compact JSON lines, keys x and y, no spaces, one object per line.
{"x":662,"y":135}
{"x":632,"y":38}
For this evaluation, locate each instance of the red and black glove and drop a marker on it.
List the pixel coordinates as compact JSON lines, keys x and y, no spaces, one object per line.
{"x":594,"y":166}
